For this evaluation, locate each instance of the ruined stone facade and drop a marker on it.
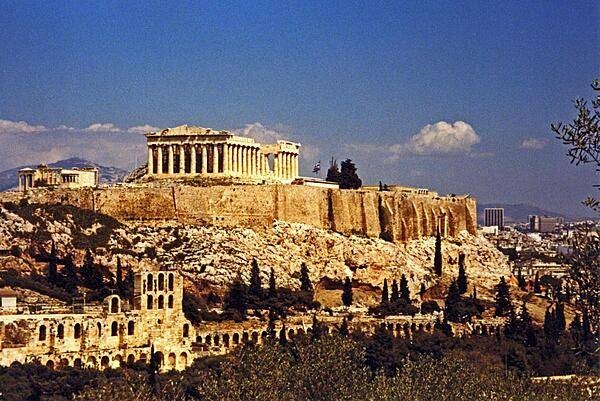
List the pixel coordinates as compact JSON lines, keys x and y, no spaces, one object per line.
{"x":44,"y":176}
{"x":190,"y":151}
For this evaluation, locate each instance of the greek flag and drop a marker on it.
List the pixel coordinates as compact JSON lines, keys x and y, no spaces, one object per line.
{"x":317,"y":167}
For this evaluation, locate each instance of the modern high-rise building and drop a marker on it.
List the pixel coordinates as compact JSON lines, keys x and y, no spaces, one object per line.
{"x":494,"y":216}
{"x":543,"y":224}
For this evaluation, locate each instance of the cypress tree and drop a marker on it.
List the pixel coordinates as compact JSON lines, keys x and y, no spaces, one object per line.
{"x":503,"y":301}
{"x":561,"y":323}
{"x":586,"y":328}
{"x":317,"y":328}
{"x":575,"y":328}
{"x":272,"y":285}
{"x":536,"y":284}
{"x":52,"y":265}
{"x":437,"y":260}
{"x":236,"y":298}
{"x":271,"y":325}
{"x":526,"y":327}
{"x":474,"y":295}
{"x":404,"y":291}
{"x":119,"y":277}
{"x":91,"y":275}
{"x":452,"y":300}
{"x":343,"y":330}
{"x":283,"y":336}
{"x":70,"y":278}
{"x":129,"y":283}
{"x":521,"y":279}
{"x":305,"y":283}
{"x":550,"y":328}
{"x":462,"y":275}
{"x":385,"y":297}
{"x":422,"y":290}
{"x":255,"y":288}
{"x":347,"y":292}
{"x":395,"y":297}
{"x":153,"y":368}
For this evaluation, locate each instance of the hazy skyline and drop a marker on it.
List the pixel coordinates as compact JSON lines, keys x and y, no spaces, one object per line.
{"x":457,"y":97}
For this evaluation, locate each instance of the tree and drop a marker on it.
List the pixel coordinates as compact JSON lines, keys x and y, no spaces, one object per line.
{"x":395,"y":297}
{"x":561,"y":323}
{"x":385,"y":297}
{"x":236,"y":299}
{"x":348,"y":177}
{"x":550,"y":327}
{"x":521,"y":279}
{"x":70,"y":279}
{"x":119,"y":276}
{"x":347,"y":292}
{"x":333,"y":172}
{"x":129,"y":283}
{"x":422,"y":290}
{"x":452,"y":300}
{"x":537,"y":289}
{"x":503,"y":301}
{"x":272,"y":285}
{"x":404,"y":291}
{"x":343,"y":330}
{"x":92,"y":276}
{"x":305,"y":283}
{"x":52,"y":265}
{"x":255,"y":289}
{"x":437,"y":259}
{"x":462,"y":274}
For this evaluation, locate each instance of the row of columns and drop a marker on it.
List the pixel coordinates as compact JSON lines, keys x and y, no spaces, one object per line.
{"x":237,"y":159}
{"x":25,"y":182}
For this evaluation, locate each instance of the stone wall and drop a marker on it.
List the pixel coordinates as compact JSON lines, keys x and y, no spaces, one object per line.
{"x":390,"y":215}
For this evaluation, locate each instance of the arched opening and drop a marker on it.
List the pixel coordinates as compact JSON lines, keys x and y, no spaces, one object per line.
{"x":160,"y":358}
{"x":263,"y":335}
{"x":245,"y":337}
{"x":183,"y":359}
{"x":77,"y":363}
{"x":161,"y":302}
{"x":300,"y":331}
{"x":170,"y":302}
{"x":130,"y":328}
{"x":114,"y":305}
{"x":42,"y":333}
{"x":117,"y":361}
{"x":99,"y":328}
{"x":226,"y":340}
{"x":149,"y":280}
{"x":428,"y":327}
{"x":130,"y":359}
{"x":50,"y":364}
{"x":143,"y":357}
{"x":60,"y":331}
{"x":161,"y":282}
{"x":91,"y":362}
{"x":255,"y":337}
{"x":236,"y":338}
{"x":186,"y":330}
{"x":217,"y":340}
{"x":149,"y":302}
{"x":104,"y":362}
{"x":77,"y":330}
{"x":114,"y":329}
{"x":290,"y":333}
{"x":207,"y":340}
{"x":171,"y":282}
{"x":420,"y":327}
{"x":172,"y":361}
{"x":64,"y":363}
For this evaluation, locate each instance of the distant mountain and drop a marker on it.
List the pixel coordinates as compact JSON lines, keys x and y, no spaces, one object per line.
{"x":518,"y":213}
{"x":108,"y":175}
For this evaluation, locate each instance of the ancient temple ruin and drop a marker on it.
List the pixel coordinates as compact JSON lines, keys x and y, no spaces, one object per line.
{"x":57,"y":177}
{"x":189,"y":151}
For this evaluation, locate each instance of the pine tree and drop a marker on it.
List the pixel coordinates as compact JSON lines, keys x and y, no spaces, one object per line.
{"x":437,"y":260}
{"x":343,"y":330}
{"x":333,"y":172}
{"x":272,"y":285}
{"x":462,"y":275}
{"x":385,"y":296}
{"x":348,"y":177}
{"x":503,"y":300}
{"x":255,"y":288}
{"x":119,"y":276}
{"x":347,"y":292}
{"x":451,"y":311}
{"x":422,"y":290}
{"x":236,"y":299}
{"x":404,"y":291}
{"x":52,"y":265}
{"x":305,"y":283}
{"x":536,"y":284}
{"x":395,"y":297}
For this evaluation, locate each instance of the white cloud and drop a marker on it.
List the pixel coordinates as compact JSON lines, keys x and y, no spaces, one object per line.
{"x":142,"y":129}
{"x":260,"y":133}
{"x":441,"y":138}
{"x":103,"y":127}
{"x":19,"y":127}
{"x":534,"y":143}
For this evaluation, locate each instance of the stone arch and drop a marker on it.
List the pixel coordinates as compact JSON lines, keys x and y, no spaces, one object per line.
{"x":217,"y":340}
{"x":300,"y":330}
{"x":91,"y":362}
{"x":77,"y":363}
{"x":186,"y":330}
{"x":160,"y":358}
{"x":245,"y":337}
{"x":161,"y":302}
{"x":77,"y":330}
{"x":50,"y":364}
{"x":170,"y":302}
{"x":161,"y":282}
{"x":114,"y":329}
{"x":60,"y":331}
{"x":42,"y":333}
{"x":290,"y":333}
{"x":255,"y":337}
{"x":208,"y":340}
{"x":263,"y":335}
{"x":236,"y":338}
{"x":115,"y":306}
{"x":117,"y":361}
{"x":99,"y":328}
{"x":172,"y":361}
{"x":428,"y":327}
{"x":183,"y":359}
{"x":226,"y":340}
{"x":149,"y":302}
{"x":420,"y":327}
{"x":104,"y":362}
{"x":143,"y":357}
{"x":130,"y":328}
{"x":150,"y":282}
{"x":171,"y":282}
{"x":130,"y":359}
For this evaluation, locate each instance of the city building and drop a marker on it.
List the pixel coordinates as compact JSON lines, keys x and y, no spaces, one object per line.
{"x":189,"y":150}
{"x":494,"y":216}
{"x":543,"y":224}
{"x":44,"y":176}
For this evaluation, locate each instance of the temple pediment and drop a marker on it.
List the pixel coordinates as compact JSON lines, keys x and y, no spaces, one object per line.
{"x":187,"y":130}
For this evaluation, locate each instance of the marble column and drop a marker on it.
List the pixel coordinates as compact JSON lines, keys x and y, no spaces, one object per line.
{"x":215,"y":158}
{"x":252,"y":161}
{"x":193,"y":159}
{"x":159,"y":159}
{"x":243,"y":167}
{"x":170,"y":161}
{"x":296,"y":167}
{"x":204,"y":159}
{"x":276,"y":165}
{"x":150,"y":160}
{"x":248,"y":161}
{"x":265,"y":164}
{"x":225,"y":158}
{"x":181,"y":159}
{"x":234,"y":155}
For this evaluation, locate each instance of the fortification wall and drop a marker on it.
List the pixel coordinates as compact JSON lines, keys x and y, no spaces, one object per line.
{"x":390,"y":215}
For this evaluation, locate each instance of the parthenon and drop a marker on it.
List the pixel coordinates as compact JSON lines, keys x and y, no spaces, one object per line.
{"x":191,"y":150}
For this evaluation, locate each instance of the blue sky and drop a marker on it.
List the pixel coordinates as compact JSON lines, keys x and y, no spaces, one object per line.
{"x":370,"y":81}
